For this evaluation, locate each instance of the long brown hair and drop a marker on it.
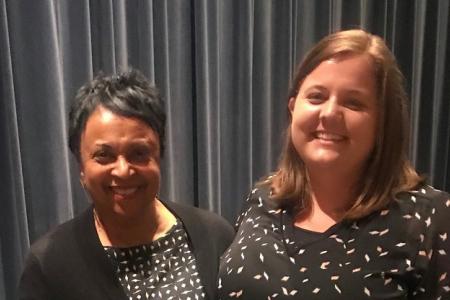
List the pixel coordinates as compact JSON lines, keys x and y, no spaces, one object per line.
{"x":388,"y":170}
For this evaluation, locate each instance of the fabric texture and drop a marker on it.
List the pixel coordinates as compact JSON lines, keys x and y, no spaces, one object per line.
{"x":399,"y":252}
{"x":70,"y":262}
{"x":164,"y":269}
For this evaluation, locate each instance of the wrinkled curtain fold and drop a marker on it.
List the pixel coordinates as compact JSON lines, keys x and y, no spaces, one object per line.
{"x":223,"y":68}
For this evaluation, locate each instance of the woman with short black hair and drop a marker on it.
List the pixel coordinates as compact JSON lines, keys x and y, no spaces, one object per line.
{"x":130,"y":244}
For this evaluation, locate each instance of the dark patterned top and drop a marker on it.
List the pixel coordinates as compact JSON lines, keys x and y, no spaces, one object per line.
{"x":165,"y":269}
{"x":400,"y":252}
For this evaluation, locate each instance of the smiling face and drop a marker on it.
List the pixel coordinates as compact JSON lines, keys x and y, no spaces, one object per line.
{"x":334,"y":115}
{"x":120,"y":159}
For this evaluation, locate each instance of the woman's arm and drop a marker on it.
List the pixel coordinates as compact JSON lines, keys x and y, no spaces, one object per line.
{"x":32,"y":285}
{"x":435,"y":253}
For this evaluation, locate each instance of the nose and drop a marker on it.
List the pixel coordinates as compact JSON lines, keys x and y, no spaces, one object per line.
{"x":331,"y":109}
{"x":122,"y":168}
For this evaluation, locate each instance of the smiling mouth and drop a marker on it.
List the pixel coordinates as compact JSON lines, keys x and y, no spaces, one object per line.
{"x":328,"y":136}
{"x":123,"y":191}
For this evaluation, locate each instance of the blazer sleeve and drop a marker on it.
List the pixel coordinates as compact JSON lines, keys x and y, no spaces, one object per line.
{"x":32,"y":284}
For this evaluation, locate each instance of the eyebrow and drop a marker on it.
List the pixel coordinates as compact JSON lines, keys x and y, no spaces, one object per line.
{"x":316,"y":86}
{"x":138,"y":142}
{"x":102,"y":145}
{"x":143,"y":141}
{"x":348,"y":91}
{"x":358,"y":91}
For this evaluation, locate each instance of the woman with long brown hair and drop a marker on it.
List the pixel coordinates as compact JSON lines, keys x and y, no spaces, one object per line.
{"x":345,"y":216}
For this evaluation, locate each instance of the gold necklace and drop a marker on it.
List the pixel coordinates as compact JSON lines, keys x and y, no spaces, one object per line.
{"x":101,"y":232}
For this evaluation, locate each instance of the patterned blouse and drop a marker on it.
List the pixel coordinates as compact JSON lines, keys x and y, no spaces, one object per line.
{"x":164,"y":269}
{"x":400,"y":252}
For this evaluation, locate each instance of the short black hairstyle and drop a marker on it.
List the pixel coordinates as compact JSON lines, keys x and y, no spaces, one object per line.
{"x":128,"y":94}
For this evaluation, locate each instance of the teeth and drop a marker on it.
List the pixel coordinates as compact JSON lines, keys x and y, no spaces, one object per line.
{"x":329,"y":136}
{"x":123,"y":191}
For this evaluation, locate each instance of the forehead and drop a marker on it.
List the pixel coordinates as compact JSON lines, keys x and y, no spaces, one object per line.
{"x":105,"y":125}
{"x":350,"y":70}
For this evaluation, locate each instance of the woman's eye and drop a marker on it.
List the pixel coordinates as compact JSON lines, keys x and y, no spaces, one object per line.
{"x":354,"y":104}
{"x":315,"y":98}
{"x":103,"y":157}
{"x":139,"y":156}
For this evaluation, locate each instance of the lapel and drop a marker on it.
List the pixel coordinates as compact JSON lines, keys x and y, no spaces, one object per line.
{"x":207,"y":264}
{"x":101,"y":270}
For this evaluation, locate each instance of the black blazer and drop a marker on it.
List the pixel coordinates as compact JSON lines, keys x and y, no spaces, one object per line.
{"x":70,"y":262}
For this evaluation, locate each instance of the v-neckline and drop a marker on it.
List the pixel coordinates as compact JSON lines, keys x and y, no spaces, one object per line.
{"x":293,"y":246}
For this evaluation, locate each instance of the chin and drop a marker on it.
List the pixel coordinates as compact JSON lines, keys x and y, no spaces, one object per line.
{"x":128,"y":210}
{"x":324,"y":162}
{"x":321,"y":156}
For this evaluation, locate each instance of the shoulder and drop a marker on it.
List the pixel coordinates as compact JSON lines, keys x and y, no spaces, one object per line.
{"x":425,"y":199}
{"x":48,"y":261}
{"x":58,"y":238}
{"x":427,"y":208}
{"x":261,"y":196}
{"x":208,"y":221}
{"x":258,"y":204}
{"x":63,"y":246}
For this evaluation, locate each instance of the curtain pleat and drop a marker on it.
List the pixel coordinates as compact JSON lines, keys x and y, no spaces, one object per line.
{"x":207,"y":81}
{"x":14,"y":233}
{"x":223,"y":68}
{"x":440,"y":158}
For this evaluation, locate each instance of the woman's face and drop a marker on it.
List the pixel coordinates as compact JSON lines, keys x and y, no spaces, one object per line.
{"x":120,"y":159}
{"x":334,"y":116}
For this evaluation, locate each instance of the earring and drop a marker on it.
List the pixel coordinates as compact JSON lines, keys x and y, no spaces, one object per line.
{"x":82,"y":183}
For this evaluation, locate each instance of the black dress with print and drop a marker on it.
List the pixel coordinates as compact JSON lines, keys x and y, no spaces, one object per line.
{"x":165,"y":269}
{"x":400,"y":252}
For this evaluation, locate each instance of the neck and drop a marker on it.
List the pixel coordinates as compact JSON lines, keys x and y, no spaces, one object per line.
{"x":332,"y":194}
{"x":148,"y":226}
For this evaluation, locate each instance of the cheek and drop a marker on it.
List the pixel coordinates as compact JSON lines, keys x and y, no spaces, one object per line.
{"x":152,"y":172}
{"x":155,"y":175}
{"x":299,"y":137}
{"x":364,"y":125}
{"x":304,"y":121}
{"x":366,"y":131}
{"x":91,"y":175}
